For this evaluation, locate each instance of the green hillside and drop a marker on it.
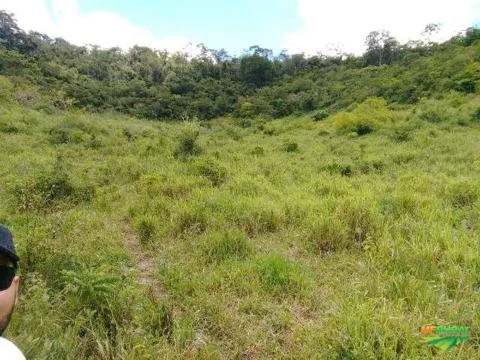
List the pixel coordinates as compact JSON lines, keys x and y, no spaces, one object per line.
{"x":331,"y":230}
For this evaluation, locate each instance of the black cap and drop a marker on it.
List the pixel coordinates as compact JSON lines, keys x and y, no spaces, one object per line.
{"x":6,"y":244}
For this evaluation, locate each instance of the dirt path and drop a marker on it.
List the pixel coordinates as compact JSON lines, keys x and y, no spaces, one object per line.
{"x":144,"y":264}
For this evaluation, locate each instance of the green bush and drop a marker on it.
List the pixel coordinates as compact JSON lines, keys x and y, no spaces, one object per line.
{"x":342,"y":169}
{"x":211,"y":169}
{"x":187,"y":141}
{"x":320,"y":115}
{"x":290,"y":147}
{"x":365,"y":118}
{"x":476,"y":115}
{"x":51,"y":189}
{"x":6,"y":89}
{"x":434,"y":111}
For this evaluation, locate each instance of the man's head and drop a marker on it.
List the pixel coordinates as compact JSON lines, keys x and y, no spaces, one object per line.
{"x":8,"y":279}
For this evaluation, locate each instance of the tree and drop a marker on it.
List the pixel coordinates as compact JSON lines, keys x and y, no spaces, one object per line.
{"x":382,"y":48}
{"x":256,"y":70}
{"x":12,"y":37}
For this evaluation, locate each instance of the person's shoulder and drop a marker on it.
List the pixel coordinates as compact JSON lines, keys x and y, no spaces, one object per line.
{"x":8,"y":351}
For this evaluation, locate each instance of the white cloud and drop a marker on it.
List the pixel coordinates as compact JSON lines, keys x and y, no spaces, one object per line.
{"x":346,"y":23}
{"x":103,"y":28}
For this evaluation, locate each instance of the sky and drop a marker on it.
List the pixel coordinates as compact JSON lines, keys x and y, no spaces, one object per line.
{"x":308,"y":26}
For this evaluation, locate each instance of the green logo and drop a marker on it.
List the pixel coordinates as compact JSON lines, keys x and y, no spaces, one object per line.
{"x":445,"y":337}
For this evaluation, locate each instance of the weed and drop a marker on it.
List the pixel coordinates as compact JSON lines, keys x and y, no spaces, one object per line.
{"x":462,"y":194}
{"x":221,"y":246}
{"x":279,"y":276}
{"x":328,"y":234}
{"x":145,"y":227}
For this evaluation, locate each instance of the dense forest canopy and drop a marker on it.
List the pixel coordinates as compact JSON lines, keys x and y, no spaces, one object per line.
{"x":52,"y":73}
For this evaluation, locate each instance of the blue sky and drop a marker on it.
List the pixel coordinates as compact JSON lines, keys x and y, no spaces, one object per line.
{"x":308,"y":26}
{"x":234,"y":25}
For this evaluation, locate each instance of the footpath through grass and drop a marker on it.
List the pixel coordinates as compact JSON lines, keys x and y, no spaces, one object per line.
{"x":292,"y":238}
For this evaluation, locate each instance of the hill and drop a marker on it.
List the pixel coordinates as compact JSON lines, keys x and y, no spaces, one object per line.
{"x":333,"y":232}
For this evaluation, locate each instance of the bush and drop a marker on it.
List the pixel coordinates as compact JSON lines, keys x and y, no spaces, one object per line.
{"x":6,"y":88}
{"x":49,"y":189}
{"x":476,"y":115}
{"x":320,"y":115}
{"x":243,"y":122}
{"x":187,"y":141}
{"x":342,"y":169}
{"x":212,"y":170}
{"x":290,"y":147}
{"x":433,"y":111}
{"x":365,"y":118}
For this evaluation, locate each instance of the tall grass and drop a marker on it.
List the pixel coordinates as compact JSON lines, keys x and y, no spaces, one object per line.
{"x":292,"y":238}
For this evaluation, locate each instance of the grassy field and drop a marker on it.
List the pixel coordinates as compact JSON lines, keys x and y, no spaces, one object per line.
{"x":292,"y":238}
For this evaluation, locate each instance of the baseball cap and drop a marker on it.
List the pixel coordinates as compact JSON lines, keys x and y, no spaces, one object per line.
{"x":6,"y":244}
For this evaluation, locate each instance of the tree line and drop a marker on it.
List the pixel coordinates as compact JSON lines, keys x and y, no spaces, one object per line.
{"x":155,"y":84}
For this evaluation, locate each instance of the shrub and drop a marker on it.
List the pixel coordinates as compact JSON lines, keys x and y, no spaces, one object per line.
{"x":49,"y":189}
{"x":433,"y":111}
{"x":290,"y":147}
{"x":476,"y":115}
{"x":246,"y":110}
{"x":212,"y":170}
{"x":6,"y":88}
{"x":187,"y":141}
{"x":365,"y":118}
{"x":342,"y":169}
{"x":320,"y":115}
{"x":221,"y":246}
{"x":243,"y":122}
